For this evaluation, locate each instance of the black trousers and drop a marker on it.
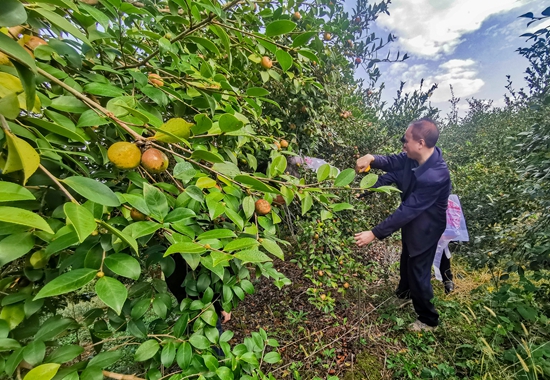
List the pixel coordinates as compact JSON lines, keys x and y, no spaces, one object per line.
{"x":445,"y":268}
{"x":416,"y":274}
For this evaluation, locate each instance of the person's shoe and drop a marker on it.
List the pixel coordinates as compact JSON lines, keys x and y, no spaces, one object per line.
{"x":420,"y":326}
{"x":449,"y":287}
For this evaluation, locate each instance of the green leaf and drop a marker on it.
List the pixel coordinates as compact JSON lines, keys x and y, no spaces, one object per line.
{"x":65,"y":354}
{"x":93,"y":190}
{"x":368,"y":181}
{"x":210,"y":317}
{"x":284,"y":59}
{"x":253,"y":91}
{"x":235,"y":218}
{"x":247,"y":286}
{"x":28,"y":82}
{"x":81,"y":219}
{"x":309,"y":55}
{"x":156,"y":202}
{"x":195,"y":193}
{"x":23,"y":217}
{"x":341,"y":206}
{"x":323,"y":172}
{"x":14,"y":246}
{"x":252,"y":256}
{"x":272,"y":357}
{"x":303,"y":39}
{"x":62,"y":23}
{"x":67,"y":282}
{"x":255,"y":184}
{"x":16,"y":51}
{"x":168,"y":354}
{"x":57,"y":129}
{"x":279,"y":27}
{"x":219,"y":233}
{"x":278,"y":166}
{"x":90,"y":118}
{"x":43,"y":372}
{"x":122,"y":236}
{"x":273,"y":248}
{"x":241,"y":243}
{"x":385,"y":189}
{"x":8,"y":344}
{"x":248,"y":206}
{"x":229,"y":123}
{"x":207,"y":156}
{"x":103,"y":89}
{"x":68,"y":103}
{"x":34,"y":352}
{"x":186,"y":247}
{"x":105,"y":359}
{"x":147,"y":350}
{"x":227,"y":168}
{"x":112,"y":292}
{"x":199,"y":341}
{"x":345,"y":177}
{"x":204,"y":42}
{"x":184,"y":171}
{"x":203,"y":124}
{"x":184,"y":355}
{"x":12,"y":13}
{"x":9,"y":106}
{"x":21,"y":156}
{"x":325,"y":214}
{"x":307,"y":202}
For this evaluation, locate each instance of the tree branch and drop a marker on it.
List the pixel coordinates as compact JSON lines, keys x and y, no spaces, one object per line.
{"x":183,"y":34}
{"x":56,"y":181}
{"x":92,"y":104}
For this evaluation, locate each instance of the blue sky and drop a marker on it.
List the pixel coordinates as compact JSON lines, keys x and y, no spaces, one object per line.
{"x":470,"y":44}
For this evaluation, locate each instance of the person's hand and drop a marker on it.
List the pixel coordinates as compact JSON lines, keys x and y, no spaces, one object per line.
{"x":363,"y":163}
{"x":226,"y":317}
{"x":364,"y":238}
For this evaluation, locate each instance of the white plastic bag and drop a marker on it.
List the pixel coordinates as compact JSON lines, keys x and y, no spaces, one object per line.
{"x":456,"y":231}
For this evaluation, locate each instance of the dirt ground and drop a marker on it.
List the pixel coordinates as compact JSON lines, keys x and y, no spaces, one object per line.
{"x":343,"y":343}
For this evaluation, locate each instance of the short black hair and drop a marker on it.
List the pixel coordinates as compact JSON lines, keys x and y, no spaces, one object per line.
{"x":425,"y":129}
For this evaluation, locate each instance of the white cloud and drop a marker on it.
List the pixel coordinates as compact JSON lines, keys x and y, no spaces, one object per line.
{"x":462,"y":74}
{"x":433,"y":28}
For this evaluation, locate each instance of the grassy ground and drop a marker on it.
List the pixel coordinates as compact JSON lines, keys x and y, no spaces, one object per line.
{"x":366,"y":335}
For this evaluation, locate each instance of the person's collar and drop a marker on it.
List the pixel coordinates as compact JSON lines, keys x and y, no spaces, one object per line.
{"x":429,"y":162}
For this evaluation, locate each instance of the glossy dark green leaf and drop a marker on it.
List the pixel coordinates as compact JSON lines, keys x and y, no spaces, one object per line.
{"x":279,"y":27}
{"x":256,"y":91}
{"x":207,"y":156}
{"x":146,"y":350}
{"x":105,"y":359}
{"x":12,"y":13}
{"x":345,"y":177}
{"x":64,"y":354}
{"x":67,"y":282}
{"x":14,"y":246}
{"x":93,"y":190}
{"x":102,"y":89}
{"x":112,"y":292}
{"x":284,"y":59}
{"x":81,"y":219}
{"x":34,"y":352}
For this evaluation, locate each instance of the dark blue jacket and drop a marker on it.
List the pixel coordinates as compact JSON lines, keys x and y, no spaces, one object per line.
{"x":425,"y":192}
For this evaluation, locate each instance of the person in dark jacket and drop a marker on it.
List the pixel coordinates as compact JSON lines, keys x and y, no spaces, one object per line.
{"x":423,"y":177}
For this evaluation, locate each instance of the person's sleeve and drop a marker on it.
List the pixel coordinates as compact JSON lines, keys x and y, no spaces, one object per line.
{"x":386,"y":179}
{"x":383,"y":180}
{"x":419,"y":201}
{"x":391,"y":163}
